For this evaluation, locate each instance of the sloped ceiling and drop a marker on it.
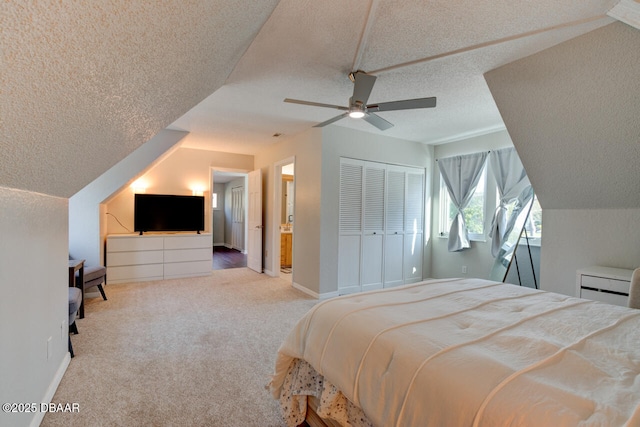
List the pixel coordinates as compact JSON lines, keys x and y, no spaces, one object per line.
{"x":573,"y":113}
{"x":83,"y":84}
{"x":416,"y":48}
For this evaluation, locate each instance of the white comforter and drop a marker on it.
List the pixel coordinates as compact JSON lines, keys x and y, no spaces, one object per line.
{"x":474,"y":353}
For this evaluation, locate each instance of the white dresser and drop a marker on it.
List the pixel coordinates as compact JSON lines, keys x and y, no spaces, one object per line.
{"x":606,"y":284}
{"x":135,"y":258}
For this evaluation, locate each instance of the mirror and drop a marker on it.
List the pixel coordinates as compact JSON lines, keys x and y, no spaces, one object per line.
{"x":515,"y":231}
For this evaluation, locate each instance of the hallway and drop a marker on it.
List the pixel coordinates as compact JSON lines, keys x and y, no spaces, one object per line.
{"x":224,"y":258}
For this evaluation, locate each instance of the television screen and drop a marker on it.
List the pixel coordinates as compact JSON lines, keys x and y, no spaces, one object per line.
{"x":159,"y":212}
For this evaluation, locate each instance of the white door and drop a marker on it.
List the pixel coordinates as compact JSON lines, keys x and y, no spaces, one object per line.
{"x":254,"y":257}
{"x":414,"y":220}
{"x":373,"y":233}
{"x":394,"y":227}
{"x":237,"y":212}
{"x":350,"y":226}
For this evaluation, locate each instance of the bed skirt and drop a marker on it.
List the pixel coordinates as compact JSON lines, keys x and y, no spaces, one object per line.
{"x":307,"y":395}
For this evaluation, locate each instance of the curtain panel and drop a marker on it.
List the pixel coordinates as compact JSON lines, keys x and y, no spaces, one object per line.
{"x":461,"y":175}
{"x":513,"y":186}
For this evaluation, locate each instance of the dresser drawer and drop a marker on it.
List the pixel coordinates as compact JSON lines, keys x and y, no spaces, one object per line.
{"x":602,"y":283}
{"x":134,"y":243}
{"x":115,"y":259}
{"x":135,"y":273}
{"x":181,"y":255}
{"x":604,"y":297}
{"x":188,"y":242}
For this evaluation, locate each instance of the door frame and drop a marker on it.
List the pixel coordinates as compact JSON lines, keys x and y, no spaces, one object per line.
{"x":277,"y":213}
{"x":255,"y":223}
{"x":239,"y":173}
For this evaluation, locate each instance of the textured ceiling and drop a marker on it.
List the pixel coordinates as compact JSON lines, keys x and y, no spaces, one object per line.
{"x":417,"y":48}
{"x":83,"y":84}
{"x":591,"y":83}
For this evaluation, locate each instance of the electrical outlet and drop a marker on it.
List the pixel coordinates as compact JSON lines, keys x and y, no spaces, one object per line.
{"x":464,"y":269}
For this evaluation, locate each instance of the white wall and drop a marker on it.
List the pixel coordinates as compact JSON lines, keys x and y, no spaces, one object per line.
{"x":317,"y":155}
{"x":343,"y":142}
{"x":578,"y":238}
{"x":477,"y":259}
{"x":34,"y":304}
{"x":573,"y":114}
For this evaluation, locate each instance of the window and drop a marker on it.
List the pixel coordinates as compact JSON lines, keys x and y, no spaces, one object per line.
{"x":473,"y":213}
{"x":535,"y":220}
{"x":534,"y":223}
{"x":214,"y":200}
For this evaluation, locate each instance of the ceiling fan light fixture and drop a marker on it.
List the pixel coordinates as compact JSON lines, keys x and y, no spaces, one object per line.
{"x":356,"y":109}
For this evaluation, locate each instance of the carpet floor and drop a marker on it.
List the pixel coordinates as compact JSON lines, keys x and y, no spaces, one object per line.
{"x":183,"y":352}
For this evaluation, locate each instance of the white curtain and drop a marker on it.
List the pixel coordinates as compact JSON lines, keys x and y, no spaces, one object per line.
{"x":513,"y":186}
{"x":461,"y":175}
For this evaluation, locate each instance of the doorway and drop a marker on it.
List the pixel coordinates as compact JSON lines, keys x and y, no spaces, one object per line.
{"x":284,"y":218}
{"x":229,"y":213}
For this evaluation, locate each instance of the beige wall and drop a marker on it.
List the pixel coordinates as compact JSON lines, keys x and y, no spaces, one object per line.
{"x":176,"y":174}
{"x":307,"y":150}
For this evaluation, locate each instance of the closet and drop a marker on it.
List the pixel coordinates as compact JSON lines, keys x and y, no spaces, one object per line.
{"x":381,"y":221}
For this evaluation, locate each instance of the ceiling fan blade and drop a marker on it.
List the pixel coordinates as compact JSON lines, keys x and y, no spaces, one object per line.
{"x":328,"y":122}
{"x":315,"y":104}
{"x":407,"y":104}
{"x":377,"y":121}
{"x":362,"y":86}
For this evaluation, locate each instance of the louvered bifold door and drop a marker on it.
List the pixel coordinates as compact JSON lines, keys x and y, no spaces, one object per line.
{"x":394,"y":227}
{"x":373,"y":233}
{"x":350,"y":225}
{"x":414,"y":226}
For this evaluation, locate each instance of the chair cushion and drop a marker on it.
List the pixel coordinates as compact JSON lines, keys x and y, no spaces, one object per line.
{"x":93,"y":272}
{"x":75,"y":299}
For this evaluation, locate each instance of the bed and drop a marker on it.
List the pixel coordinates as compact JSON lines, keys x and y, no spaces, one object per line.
{"x":461,"y":352}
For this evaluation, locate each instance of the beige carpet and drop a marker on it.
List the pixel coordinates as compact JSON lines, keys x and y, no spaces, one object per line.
{"x":184,"y":352}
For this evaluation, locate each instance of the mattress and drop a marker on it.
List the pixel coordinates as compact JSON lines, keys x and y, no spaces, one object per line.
{"x":471,"y":352}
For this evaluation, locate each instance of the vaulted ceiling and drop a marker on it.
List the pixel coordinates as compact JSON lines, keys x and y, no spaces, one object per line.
{"x":416,"y":48}
{"x":85,"y":83}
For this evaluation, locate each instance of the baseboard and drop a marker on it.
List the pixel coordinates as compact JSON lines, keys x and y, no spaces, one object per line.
{"x":51,"y":390}
{"x":219,"y":244}
{"x":315,"y":295}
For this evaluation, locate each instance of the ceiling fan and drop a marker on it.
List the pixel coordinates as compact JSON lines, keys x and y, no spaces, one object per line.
{"x":358,"y":108}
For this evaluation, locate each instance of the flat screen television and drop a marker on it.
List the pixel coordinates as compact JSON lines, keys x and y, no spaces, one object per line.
{"x":160,"y":212}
